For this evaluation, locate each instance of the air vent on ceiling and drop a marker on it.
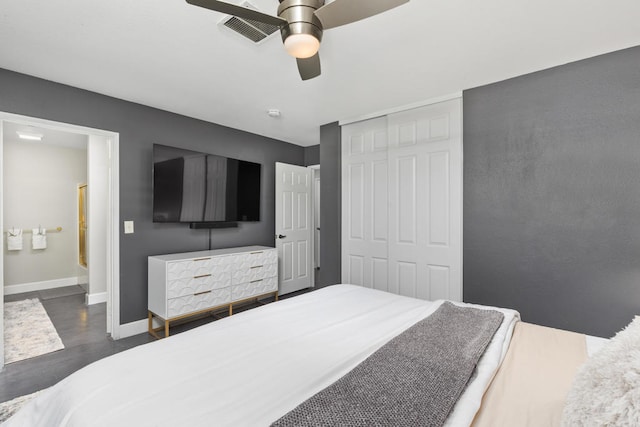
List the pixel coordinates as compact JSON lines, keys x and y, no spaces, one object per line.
{"x":252,"y":30}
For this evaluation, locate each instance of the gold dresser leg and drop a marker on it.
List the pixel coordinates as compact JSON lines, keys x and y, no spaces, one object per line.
{"x":153,"y":331}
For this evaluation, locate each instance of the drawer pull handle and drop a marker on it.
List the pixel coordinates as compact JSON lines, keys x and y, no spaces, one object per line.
{"x":257,"y":266}
{"x":202,"y":275}
{"x":255,"y":253}
{"x":255,"y":281}
{"x":202,"y":259}
{"x":202,"y":293}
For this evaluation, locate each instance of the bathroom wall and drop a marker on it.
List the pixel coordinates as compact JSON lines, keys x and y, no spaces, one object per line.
{"x":40,"y":188}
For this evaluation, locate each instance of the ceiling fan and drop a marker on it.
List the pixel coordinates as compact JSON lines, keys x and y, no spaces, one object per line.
{"x":302,"y":22}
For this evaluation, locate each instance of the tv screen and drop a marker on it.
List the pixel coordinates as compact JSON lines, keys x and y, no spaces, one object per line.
{"x":189,"y":186}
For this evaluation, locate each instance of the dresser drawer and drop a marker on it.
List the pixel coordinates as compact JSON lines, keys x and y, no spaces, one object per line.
{"x":193,"y":285}
{"x":201,"y":301}
{"x":249,"y":274}
{"x":257,"y":258}
{"x":257,"y":287}
{"x":199,"y":266}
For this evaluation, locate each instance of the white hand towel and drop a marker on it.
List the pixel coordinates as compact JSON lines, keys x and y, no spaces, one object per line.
{"x":39,"y":238}
{"x":14,"y":239}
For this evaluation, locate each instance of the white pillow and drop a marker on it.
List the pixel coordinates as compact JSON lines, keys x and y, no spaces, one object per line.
{"x":606,"y":389}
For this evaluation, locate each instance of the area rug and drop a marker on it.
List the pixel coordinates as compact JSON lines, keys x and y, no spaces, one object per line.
{"x":7,"y":409}
{"x":28,"y":331}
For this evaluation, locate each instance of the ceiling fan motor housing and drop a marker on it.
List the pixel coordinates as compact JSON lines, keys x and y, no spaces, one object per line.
{"x":300,"y":17}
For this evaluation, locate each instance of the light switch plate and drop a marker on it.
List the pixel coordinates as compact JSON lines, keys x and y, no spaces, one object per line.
{"x":128,"y":227}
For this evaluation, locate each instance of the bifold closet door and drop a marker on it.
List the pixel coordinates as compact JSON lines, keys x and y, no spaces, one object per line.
{"x":402,"y":202}
{"x":364,"y":204}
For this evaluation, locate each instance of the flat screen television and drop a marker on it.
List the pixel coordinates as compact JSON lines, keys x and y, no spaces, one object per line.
{"x":200,"y":188}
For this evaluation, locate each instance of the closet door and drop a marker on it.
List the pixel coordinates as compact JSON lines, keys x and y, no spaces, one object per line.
{"x":364,"y":204}
{"x":425,"y":202}
{"x":402,"y":202}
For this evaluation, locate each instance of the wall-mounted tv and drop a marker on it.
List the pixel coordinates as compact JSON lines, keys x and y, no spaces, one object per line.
{"x":199,"y":188}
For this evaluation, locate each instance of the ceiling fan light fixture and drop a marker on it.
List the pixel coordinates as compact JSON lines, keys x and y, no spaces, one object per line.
{"x":301,"y":45}
{"x":302,"y":22}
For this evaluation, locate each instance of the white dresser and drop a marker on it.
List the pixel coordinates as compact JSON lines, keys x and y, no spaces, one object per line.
{"x":192,"y":283}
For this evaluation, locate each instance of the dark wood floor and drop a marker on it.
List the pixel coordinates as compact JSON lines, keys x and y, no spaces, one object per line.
{"x":82,"y":329}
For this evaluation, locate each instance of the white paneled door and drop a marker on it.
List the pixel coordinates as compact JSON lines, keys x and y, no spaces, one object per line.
{"x":364,"y":204}
{"x":402,"y":202}
{"x":293,"y":227}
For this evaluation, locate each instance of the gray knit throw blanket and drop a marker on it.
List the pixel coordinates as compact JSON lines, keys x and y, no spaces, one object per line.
{"x":413,"y":380}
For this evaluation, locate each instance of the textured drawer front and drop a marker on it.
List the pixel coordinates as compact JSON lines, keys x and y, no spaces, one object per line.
{"x":199,"y":267}
{"x":258,"y":287}
{"x":253,"y":259}
{"x":191,"y":303}
{"x":249,"y":274}
{"x":193,"y":285}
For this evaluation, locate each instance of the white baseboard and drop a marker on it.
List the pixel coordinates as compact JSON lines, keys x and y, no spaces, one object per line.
{"x":40,"y":286}
{"x":133,"y":328}
{"x":96,"y":298}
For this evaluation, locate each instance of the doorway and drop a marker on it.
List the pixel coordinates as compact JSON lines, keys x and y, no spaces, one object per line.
{"x":102,"y":214}
{"x":315,"y":209}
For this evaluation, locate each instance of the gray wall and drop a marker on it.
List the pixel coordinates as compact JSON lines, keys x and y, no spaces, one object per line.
{"x":330,"y":204}
{"x":312,"y":155}
{"x":139,"y":127}
{"x":552,"y":194}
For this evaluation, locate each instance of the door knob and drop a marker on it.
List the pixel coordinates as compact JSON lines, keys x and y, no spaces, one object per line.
{"x":280,"y":236}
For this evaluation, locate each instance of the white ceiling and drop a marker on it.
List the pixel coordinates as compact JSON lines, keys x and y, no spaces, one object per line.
{"x":174,"y":56}
{"x":58,"y":138}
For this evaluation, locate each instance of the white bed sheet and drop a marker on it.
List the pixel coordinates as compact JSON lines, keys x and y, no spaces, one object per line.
{"x":594,"y":344}
{"x":250,"y":369}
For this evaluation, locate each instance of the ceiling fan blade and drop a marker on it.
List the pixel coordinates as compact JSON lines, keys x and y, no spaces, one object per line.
{"x":340,"y":12}
{"x":239,"y":11}
{"x":309,"y":67}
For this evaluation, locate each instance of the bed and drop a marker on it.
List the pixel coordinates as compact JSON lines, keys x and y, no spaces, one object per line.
{"x":255,"y":367}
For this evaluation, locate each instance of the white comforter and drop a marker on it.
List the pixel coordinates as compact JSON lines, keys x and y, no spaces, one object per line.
{"x":249,"y":369}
